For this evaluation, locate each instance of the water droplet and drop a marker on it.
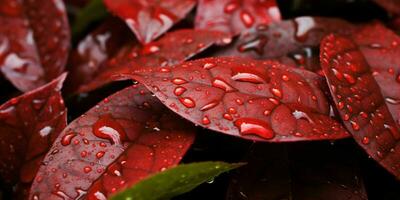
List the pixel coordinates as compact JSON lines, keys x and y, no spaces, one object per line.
{"x":227,"y":116}
{"x":108,"y":128}
{"x":365,"y":140}
{"x":355,"y":126}
{"x":150,"y":49}
{"x":392,"y":101}
{"x":338,"y":75}
{"x":178,"y":91}
{"x":285,"y":78}
{"x":179,"y":81}
{"x":247,"y":19}
{"x":209,"y":105}
{"x":221,"y":84}
{"x":87,"y":169}
{"x":187,"y":102}
{"x":205,"y":120}
{"x":252,"y":126}
{"x":66,"y":139}
{"x":209,"y":65}
{"x":350,"y":79}
{"x":100,"y":154}
{"x":247,"y":77}
{"x":230,"y":7}
{"x":276,"y":92}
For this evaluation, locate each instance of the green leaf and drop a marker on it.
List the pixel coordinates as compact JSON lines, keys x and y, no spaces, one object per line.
{"x":175,"y":181}
{"x":93,"y":12}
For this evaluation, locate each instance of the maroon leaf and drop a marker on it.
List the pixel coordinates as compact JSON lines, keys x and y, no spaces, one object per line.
{"x":360,"y":102}
{"x":121,"y":140}
{"x":393,"y":6}
{"x":292,"y":40}
{"x":235,"y":16}
{"x":246,"y":98}
{"x":93,"y":52}
{"x":34,"y":41}
{"x":298,"y":172}
{"x":173,"y":48}
{"x":28,"y":126}
{"x":381,"y":48}
{"x":150,"y":19}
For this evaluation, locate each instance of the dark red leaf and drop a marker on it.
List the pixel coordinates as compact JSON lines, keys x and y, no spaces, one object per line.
{"x":235,"y":16}
{"x":294,"y":41}
{"x":28,"y":126}
{"x":300,"y":172}
{"x":393,"y":6}
{"x":173,"y":48}
{"x":360,"y":102}
{"x":118,"y":142}
{"x":95,"y":50}
{"x":381,"y":48}
{"x":246,"y":98}
{"x":150,"y":19}
{"x":34,"y":41}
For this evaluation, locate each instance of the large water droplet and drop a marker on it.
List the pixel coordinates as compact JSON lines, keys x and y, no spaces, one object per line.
{"x":222,"y":84}
{"x":252,"y":126}
{"x":247,"y":75}
{"x":108,"y":128}
{"x":178,"y":91}
{"x":209,"y":105}
{"x":247,"y":19}
{"x":179,"y":81}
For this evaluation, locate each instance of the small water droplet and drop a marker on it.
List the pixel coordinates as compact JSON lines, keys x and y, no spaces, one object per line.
{"x":247,"y":19}
{"x":179,"y":81}
{"x":87,"y":169}
{"x":205,"y":120}
{"x":209,"y":65}
{"x":66,"y":139}
{"x":222,"y":84}
{"x":178,"y":91}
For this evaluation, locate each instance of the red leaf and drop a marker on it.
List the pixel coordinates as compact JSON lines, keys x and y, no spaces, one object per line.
{"x":28,"y":126}
{"x":291,"y":39}
{"x":392,"y":6}
{"x":173,"y":48}
{"x":246,"y":98}
{"x":360,"y":101}
{"x":381,"y":47}
{"x":93,"y":52}
{"x":150,"y":19}
{"x":34,"y":41}
{"x":235,"y":16}
{"x":121,"y":140}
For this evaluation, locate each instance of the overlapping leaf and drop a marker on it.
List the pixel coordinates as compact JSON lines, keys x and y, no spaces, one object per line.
{"x":235,"y":16}
{"x":34,"y":41}
{"x":294,"y":41}
{"x":150,"y":19}
{"x":246,"y":98}
{"x":360,"y":102}
{"x":173,"y":48}
{"x":28,"y":126}
{"x":393,"y":6}
{"x":118,"y":142}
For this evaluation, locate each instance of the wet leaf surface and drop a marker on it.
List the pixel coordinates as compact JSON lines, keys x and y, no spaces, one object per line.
{"x":173,"y":48}
{"x":235,"y":16}
{"x":295,"y":171}
{"x":28,"y":125}
{"x":245,"y":98}
{"x":175,"y":181}
{"x":360,"y":102}
{"x":150,"y":19}
{"x":34,"y":41}
{"x":126,"y":137}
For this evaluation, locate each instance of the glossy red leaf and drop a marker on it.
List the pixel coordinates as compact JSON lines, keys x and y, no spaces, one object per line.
{"x":381,"y":47}
{"x":34,"y":41}
{"x":301,"y":172}
{"x":293,"y":41}
{"x":173,"y":48}
{"x":360,"y":102}
{"x":28,"y":126}
{"x":245,"y":98}
{"x":118,"y":142}
{"x":95,"y":50}
{"x":150,"y":19}
{"x":235,"y":16}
